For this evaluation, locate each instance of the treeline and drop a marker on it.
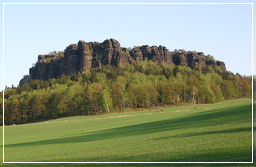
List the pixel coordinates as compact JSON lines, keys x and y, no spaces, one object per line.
{"x":108,"y":89}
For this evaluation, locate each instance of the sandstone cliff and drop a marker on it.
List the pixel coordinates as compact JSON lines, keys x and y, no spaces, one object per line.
{"x":84,"y":56}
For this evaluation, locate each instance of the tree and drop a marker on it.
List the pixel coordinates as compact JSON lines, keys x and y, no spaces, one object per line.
{"x":132,"y":98}
{"x":64,"y":104}
{"x":217,"y":92}
{"x":254,"y":88}
{"x":228,"y":90}
{"x":64,"y":79}
{"x":205,"y":94}
{"x":41,"y":106}
{"x":1,"y":111}
{"x":8,"y":112}
{"x":175,"y":70}
{"x":167,"y":69}
{"x":76,"y":76}
{"x":146,"y":95}
{"x":93,"y":77}
{"x":152,"y":68}
{"x":193,"y":87}
{"x":93,"y":98}
{"x":179,"y":88}
{"x":12,"y":113}
{"x":142,"y":96}
{"x":121,"y":84}
{"x":25,"y":87}
{"x":117,"y":96}
{"x":209,"y":58}
{"x":153,"y":95}
{"x":165,"y":90}
{"x":31,"y":115}
{"x":53,"y":105}
{"x":246,"y":91}
{"x":138,"y":78}
{"x":80,"y":105}
{"x":106,"y":99}
{"x":23,"y":107}
{"x":35,"y":84}
{"x":101,"y":78}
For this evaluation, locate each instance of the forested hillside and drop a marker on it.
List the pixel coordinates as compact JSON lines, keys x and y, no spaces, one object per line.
{"x":107,"y":89}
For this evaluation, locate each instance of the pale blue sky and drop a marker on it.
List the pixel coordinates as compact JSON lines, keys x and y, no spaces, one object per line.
{"x":221,"y":30}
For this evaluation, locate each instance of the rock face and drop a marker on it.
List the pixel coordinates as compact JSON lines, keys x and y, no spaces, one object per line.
{"x":25,"y":79}
{"x":70,"y":63}
{"x":222,"y":65}
{"x":47,"y":67}
{"x":84,"y":56}
{"x":157,"y":54}
{"x":191,"y":59}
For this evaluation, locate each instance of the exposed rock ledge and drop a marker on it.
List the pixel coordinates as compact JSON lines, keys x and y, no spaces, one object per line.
{"x":84,"y":56}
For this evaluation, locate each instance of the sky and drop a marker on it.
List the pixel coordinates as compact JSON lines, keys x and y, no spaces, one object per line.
{"x":221,"y":30}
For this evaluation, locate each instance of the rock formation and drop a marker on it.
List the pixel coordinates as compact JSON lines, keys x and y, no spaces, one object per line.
{"x":84,"y":56}
{"x":221,"y":64}
{"x":191,"y":59}
{"x":25,"y":79}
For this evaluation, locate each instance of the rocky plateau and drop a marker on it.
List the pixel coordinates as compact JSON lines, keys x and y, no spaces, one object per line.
{"x":84,"y":56}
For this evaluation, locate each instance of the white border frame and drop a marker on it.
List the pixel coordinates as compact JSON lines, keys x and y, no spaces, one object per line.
{"x":127,"y":4}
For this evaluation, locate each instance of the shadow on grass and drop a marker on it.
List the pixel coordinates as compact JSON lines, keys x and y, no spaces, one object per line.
{"x":247,"y":129}
{"x":127,"y":165}
{"x":210,"y":118}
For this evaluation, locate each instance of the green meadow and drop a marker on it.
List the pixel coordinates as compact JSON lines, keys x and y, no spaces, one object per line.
{"x":220,"y":132}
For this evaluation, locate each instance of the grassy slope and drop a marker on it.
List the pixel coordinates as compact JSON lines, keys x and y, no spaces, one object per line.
{"x":215,"y":132}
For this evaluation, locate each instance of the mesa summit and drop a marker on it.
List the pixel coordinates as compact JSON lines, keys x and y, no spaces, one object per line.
{"x":84,"y":56}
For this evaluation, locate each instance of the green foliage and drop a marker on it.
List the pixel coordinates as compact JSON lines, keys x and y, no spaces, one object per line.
{"x":209,"y":58}
{"x":106,"y":100}
{"x":138,"y":78}
{"x":146,"y":95}
{"x":76,"y":76}
{"x":166,"y":91}
{"x":59,"y":53}
{"x":228,"y":90}
{"x":138,"y":47}
{"x":64,"y":104}
{"x":207,"y":69}
{"x":92,"y":94}
{"x":107,"y":89}
{"x":167,"y":69}
{"x":218,"y":70}
{"x":101,"y":78}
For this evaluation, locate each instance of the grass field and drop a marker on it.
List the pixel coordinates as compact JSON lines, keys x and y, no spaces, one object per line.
{"x":220,"y":132}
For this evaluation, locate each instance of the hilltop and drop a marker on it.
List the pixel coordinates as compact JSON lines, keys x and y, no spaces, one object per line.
{"x":84,"y":56}
{"x":98,"y":78}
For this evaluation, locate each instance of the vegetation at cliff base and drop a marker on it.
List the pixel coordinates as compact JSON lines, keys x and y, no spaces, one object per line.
{"x":108,"y":89}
